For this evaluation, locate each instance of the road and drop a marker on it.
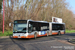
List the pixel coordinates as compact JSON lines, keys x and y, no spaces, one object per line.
{"x":54,"y":42}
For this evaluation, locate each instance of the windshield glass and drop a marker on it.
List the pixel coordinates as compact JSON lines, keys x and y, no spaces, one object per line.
{"x":20,"y":28}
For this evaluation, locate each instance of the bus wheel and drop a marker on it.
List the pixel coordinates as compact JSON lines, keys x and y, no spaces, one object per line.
{"x":59,"y":33}
{"x":47,"y":34}
{"x":35,"y":35}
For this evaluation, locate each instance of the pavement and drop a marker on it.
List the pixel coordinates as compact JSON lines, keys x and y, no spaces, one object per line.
{"x":4,"y":37}
{"x":54,"y":42}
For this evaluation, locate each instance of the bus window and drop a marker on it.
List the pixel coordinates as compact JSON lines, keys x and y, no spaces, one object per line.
{"x":44,"y":27}
{"x":58,"y":27}
{"x":33,"y":27}
{"x":36,"y":26}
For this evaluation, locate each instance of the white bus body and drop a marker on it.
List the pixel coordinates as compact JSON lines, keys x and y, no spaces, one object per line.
{"x":33,"y":29}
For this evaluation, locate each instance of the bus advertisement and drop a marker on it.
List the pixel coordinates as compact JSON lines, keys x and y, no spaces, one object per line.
{"x":55,"y":19}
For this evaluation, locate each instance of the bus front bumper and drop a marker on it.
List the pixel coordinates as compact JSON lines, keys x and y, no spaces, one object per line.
{"x":20,"y":36}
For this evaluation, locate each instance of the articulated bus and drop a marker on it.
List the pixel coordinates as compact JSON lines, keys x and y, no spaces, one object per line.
{"x":34,"y":29}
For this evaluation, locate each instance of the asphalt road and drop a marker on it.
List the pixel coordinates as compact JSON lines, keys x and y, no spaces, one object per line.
{"x":54,"y":42}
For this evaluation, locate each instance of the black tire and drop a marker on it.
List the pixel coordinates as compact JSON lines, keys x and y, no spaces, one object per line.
{"x":47,"y":34}
{"x":59,"y":33}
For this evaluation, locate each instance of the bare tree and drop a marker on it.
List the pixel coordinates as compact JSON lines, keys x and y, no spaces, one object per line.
{"x":38,"y":10}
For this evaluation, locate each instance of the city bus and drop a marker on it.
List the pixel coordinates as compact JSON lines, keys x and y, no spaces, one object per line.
{"x":34,"y":29}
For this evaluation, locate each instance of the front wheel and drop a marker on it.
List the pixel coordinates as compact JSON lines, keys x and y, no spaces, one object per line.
{"x":35,"y":35}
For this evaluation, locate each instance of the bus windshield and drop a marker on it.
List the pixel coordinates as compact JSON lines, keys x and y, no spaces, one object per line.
{"x":20,"y":27}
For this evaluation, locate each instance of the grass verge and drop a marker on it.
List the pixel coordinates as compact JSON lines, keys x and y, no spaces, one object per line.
{"x":6,"y":33}
{"x":70,"y":31}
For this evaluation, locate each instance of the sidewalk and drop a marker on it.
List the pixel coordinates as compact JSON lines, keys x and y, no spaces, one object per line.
{"x":5,"y":37}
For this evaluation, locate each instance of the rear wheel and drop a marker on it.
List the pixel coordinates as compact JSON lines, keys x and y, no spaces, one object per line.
{"x":47,"y":34}
{"x":59,"y":33}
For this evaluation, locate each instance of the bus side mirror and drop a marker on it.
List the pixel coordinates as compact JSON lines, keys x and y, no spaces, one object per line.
{"x":9,"y":24}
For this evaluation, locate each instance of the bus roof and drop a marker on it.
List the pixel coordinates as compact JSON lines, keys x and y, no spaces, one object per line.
{"x":40,"y":21}
{"x":56,"y":23}
{"x":46,"y":22}
{"x":19,"y":20}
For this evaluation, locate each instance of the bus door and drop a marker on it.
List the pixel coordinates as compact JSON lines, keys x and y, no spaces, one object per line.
{"x":50,"y":28}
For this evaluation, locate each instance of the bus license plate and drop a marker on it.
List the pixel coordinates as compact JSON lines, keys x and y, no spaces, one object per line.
{"x":19,"y":37}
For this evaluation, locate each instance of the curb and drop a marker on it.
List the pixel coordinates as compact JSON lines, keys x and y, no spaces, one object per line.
{"x":5,"y":37}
